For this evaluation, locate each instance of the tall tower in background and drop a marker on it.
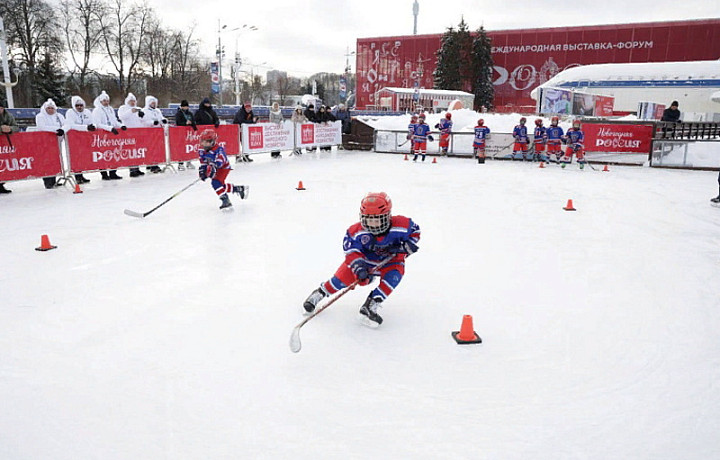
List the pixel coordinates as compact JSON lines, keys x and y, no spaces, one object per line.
{"x":416,"y":9}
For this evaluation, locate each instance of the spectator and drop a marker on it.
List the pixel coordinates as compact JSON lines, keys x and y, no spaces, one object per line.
{"x":104,"y":117}
{"x":276,"y":116}
{"x":153,"y":118}
{"x":343,"y":115}
{"x":184,"y":117}
{"x":49,"y":120}
{"x":131,"y":116}
{"x":671,"y":114}
{"x":311,"y":118}
{"x":298,"y":118}
{"x":325,"y":116}
{"x":8,"y":126}
{"x":243,"y":116}
{"x":205,"y":115}
{"x":79,"y":119}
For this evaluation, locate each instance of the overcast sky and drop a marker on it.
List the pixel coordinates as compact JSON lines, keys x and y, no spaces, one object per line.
{"x":303,"y":37}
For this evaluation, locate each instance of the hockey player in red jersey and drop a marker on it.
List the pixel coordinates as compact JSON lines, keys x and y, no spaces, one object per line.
{"x":481,"y":134}
{"x":214,"y":165}
{"x":378,"y":237}
{"x":539,"y":140}
{"x":445,"y":127}
{"x":576,"y":145}
{"x":411,"y":131}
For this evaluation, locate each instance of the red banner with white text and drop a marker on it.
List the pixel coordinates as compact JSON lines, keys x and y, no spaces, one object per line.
{"x":601,"y":137}
{"x":29,"y":155}
{"x":185,"y":141}
{"x":604,"y":106}
{"x":100,"y":149}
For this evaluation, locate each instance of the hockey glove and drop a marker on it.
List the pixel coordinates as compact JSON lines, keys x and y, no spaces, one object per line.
{"x":217,"y":125}
{"x":115,"y":131}
{"x":407,"y":247}
{"x":206,"y":171}
{"x":141,"y":113}
{"x":91,"y":127}
{"x":194,"y":126}
{"x":437,"y":125}
{"x":59,"y":132}
{"x":164,"y":121}
{"x":430,"y":138}
{"x":155,"y":123}
{"x":123,"y":127}
{"x":360,"y":269}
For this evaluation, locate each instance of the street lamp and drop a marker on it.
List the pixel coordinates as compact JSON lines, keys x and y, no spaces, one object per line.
{"x":221,"y":28}
{"x":238,"y":60}
{"x":6,"y":70}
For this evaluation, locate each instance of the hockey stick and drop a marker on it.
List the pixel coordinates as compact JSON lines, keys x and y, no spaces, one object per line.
{"x":145,"y":214}
{"x":9,"y":141}
{"x":406,"y":141}
{"x":295,"y":344}
{"x":502,"y":149}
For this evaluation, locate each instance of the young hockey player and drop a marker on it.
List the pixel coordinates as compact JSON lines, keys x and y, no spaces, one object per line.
{"x":214,"y":165}
{"x":575,"y":139}
{"x":539,"y":140}
{"x":378,"y":236}
{"x":411,"y":131}
{"x":716,"y":200}
{"x":520,"y":149}
{"x":554,"y":135}
{"x":445,"y":127}
{"x":481,"y":133}
{"x":420,"y":137}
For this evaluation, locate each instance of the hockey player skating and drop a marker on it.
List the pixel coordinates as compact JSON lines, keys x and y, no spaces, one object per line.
{"x":214,"y":165}
{"x":378,"y":236}
{"x":539,"y":141}
{"x":481,"y":134}
{"x":554,"y":135}
{"x":420,"y":138}
{"x":716,"y":200}
{"x":445,"y":127}
{"x":520,"y":149}
{"x":575,"y":139}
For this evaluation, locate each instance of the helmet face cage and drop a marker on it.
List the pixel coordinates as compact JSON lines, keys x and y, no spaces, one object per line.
{"x":523,"y":120}
{"x":375,"y":213}
{"x":209,"y":136}
{"x":576,"y":124}
{"x":538,"y":122}
{"x":555,"y":120}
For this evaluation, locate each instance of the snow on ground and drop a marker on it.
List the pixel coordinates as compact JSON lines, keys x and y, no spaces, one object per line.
{"x":167,"y":338}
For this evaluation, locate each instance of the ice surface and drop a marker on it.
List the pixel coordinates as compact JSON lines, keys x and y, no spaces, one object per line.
{"x":167,"y":337}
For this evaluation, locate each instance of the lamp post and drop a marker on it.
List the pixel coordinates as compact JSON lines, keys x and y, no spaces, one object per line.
{"x":238,"y":60}
{"x":348,"y":53}
{"x":6,"y":70}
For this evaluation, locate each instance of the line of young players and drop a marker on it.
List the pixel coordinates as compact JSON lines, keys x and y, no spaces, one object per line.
{"x":547,"y":143}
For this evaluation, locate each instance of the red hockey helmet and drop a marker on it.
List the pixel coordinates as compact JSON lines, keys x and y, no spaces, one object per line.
{"x":413,"y":118}
{"x":448,"y":115}
{"x":538,"y":122}
{"x":375,"y":213}
{"x":576,"y":123}
{"x":523,"y":120}
{"x":481,"y":122}
{"x":209,"y":135}
{"x":554,"y":120}
{"x":421,"y":116}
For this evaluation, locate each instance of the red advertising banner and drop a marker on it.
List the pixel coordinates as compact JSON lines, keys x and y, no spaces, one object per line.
{"x":185,"y":141}
{"x":90,"y":151}
{"x":29,"y":155}
{"x":601,"y":137}
{"x":604,"y":106}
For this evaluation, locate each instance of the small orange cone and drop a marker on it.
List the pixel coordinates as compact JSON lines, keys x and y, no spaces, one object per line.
{"x":45,"y":244}
{"x":605,"y":169}
{"x":300,"y":186}
{"x":406,"y":158}
{"x":434,"y":160}
{"x":542,"y":165}
{"x":569,"y":206}
{"x":77,"y":188}
{"x":467,"y":333}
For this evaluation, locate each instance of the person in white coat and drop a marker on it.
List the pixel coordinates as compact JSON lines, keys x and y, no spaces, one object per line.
{"x":131,"y":116}
{"x":79,"y":119}
{"x":104,"y":117}
{"x":153,"y":117}
{"x":48,"y":119}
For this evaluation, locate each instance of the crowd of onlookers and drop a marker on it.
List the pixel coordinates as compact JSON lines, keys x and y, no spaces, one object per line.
{"x":131,"y":115}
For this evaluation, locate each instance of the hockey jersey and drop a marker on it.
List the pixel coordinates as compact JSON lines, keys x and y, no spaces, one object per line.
{"x":520,"y":133}
{"x":554,"y":134}
{"x":445,"y":126}
{"x":421,"y":132}
{"x":575,"y":137}
{"x":481,"y":133}
{"x":361,"y":244}
{"x":216,"y":156}
{"x":539,"y":135}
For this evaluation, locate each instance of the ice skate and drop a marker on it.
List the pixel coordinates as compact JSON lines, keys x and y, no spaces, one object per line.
{"x":716,"y":199}
{"x":313,"y":299}
{"x":242,"y":190}
{"x":181,"y":167}
{"x":225,"y":202}
{"x":368,"y":313}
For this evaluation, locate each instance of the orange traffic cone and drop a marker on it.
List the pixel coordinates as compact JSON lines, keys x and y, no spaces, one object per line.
{"x":406,"y":158}
{"x":434,"y":160}
{"x":542,"y":165}
{"x":467,"y":333}
{"x":605,"y":169}
{"x":77,"y":188}
{"x":45,"y":244}
{"x":569,"y":206}
{"x":300,"y":186}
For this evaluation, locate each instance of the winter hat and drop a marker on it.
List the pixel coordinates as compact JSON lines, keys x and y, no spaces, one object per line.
{"x":184,"y":103}
{"x":48,"y":103}
{"x":130,"y":97}
{"x":674,"y":103}
{"x":75,"y":100}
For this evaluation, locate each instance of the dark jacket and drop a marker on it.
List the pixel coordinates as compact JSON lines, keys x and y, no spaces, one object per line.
{"x":310,"y":114}
{"x":670,"y":114}
{"x":242,"y":116}
{"x":184,"y":118}
{"x":205,"y":115}
{"x":326,"y":116}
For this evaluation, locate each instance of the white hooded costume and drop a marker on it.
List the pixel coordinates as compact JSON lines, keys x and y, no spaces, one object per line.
{"x":152,"y":114}
{"x":46,"y":122}
{"x":127,"y":116}
{"x":75,"y":119}
{"x":103,"y":116}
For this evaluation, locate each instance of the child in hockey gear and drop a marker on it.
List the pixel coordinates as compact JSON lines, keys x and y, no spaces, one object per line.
{"x":481,"y":133}
{"x":376,"y":237}
{"x":575,"y":138}
{"x":445,"y":127}
{"x":411,"y":132}
{"x":214,"y":165}
{"x":716,"y":200}
{"x":539,"y":138}
{"x":420,"y":137}
{"x":520,"y":149}
{"x":554,"y":135}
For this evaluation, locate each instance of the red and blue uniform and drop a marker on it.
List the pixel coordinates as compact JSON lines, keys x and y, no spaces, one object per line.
{"x":411,"y":131}
{"x":540,"y":139}
{"x":445,"y":127}
{"x":359,"y":244}
{"x":576,"y":140}
{"x":420,"y":136}
{"x":554,"y":135}
{"x":481,"y":133}
{"x":521,"y":142}
{"x":217,"y":159}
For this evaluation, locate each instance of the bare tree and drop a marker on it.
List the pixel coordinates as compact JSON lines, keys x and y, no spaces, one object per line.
{"x":82,"y":36}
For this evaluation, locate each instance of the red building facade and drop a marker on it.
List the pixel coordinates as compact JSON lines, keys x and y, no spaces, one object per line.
{"x":525,"y":58}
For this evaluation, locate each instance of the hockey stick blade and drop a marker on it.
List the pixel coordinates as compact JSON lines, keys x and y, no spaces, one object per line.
{"x":134,"y":214}
{"x":295,"y":344}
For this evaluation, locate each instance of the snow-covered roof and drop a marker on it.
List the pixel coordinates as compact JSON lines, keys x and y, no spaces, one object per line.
{"x":440,"y":92}
{"x":639,"y":70}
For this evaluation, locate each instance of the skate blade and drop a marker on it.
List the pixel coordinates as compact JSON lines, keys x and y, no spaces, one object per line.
{"x":715,"y":205}
{"x":228,"y":209}
{"x":364,"y":320}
